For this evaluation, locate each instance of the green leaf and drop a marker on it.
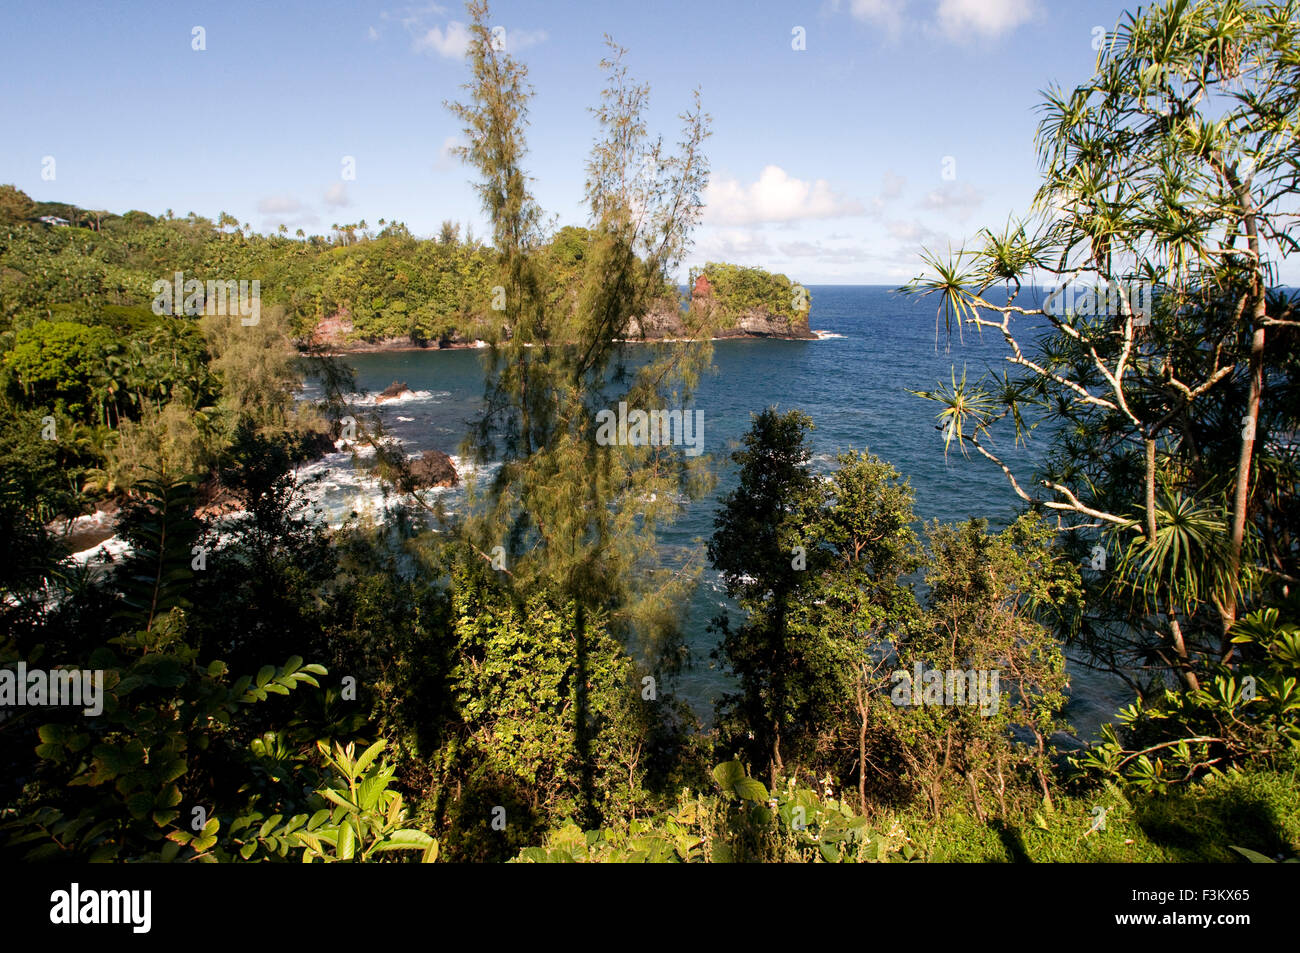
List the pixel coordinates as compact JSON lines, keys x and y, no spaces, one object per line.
{"x":369,"y":756}
{"x":728,"y":773}
{"x":751,"y":790}
{"x":406,"y":839}
{"x":1255,"y":857}
{"x":347,"y":842}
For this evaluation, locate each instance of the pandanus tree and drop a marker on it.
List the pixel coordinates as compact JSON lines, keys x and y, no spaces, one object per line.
{"x":1145,"y":331}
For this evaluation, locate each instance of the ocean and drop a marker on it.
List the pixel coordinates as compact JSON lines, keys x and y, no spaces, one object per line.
{"x":875,"y":347}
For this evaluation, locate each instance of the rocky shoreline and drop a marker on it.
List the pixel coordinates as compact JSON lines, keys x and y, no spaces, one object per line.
{"x":759,"y":332}
{"x":386,"y":345}
{"x":663,"y":323}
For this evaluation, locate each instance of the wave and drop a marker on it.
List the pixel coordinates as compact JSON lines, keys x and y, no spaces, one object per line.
{"x":110,"y":550}
{"x":335,"y":487}
{"x":410,"y":397}
{"x":827,"y":335}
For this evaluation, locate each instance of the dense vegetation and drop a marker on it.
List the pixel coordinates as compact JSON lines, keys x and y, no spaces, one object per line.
{"x":738,"y":290}
{"x":495,"y":687}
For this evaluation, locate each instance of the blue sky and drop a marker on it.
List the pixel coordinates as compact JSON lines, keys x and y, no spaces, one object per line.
{"x":828,"y":162}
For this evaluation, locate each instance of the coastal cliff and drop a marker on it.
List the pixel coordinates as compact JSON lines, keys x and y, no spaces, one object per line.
{"x":730,"y":315}
{"x":735,"y":303}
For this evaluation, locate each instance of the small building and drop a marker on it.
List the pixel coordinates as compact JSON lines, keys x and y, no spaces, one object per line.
{"x":55,"y":221}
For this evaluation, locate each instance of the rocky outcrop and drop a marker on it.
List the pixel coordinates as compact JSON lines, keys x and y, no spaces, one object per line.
{"x":665,"y":322}
{"x":215,"y":499}
{"x":760,"y":323}
{"x":335,"y":334}
{"x":434,"y":468}
{"x":392,"y":391}
{"x":753,"y":322}
{"x":332,"y":332}
{"x":314,"y":445}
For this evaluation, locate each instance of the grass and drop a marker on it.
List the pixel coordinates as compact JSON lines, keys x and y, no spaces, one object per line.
{"x":1257,"y":808}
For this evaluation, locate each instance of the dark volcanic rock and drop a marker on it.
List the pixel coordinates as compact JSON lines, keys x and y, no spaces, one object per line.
{"x":760,"y":323}
{"x":314,"y":445}
{"x":659,"y":323}
{"x":665,"y":321}
{"x":434,"y":468}
{"x":216,"y":499}
{"x":395,"y":389}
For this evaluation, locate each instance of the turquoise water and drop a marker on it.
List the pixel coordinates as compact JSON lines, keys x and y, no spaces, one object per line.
{"x":854,"y":383}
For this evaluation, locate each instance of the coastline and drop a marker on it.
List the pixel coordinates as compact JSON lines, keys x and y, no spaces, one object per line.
{"x":394,"y":345}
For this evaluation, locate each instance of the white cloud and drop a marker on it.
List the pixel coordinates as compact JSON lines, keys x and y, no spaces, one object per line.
{"x":891,"y":187}
{"x":886,"y":14}
{"x":517,"y":40}
{"x":958,"y":20}
{"x":411,"y":17}
{"x":987,"y":18}
{"x":337,"y":195}
{"x":913,"y":233}
{"x":954,"y":200}
{"x":451,"y":41}
{"x":277,"y":210}
{"x":733,"y":244}
{"x":826,"y":254}
{"x":775,"y":197}
{"x":446,"y":159}
{"x":373,"y":34}
{"x":279,"y":205}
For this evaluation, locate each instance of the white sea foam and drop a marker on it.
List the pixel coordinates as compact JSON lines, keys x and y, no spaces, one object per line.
{"x":110,"y":550}
{"x":91,"y":522}
{"x":408,"y":397}
{"x":827,"y":335}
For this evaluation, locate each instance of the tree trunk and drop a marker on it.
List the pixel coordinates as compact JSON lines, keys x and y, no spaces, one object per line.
{"x":1259,"y":311}
{"x":1151,"y":490}
{"x":1241,"y":495}
{"x":1042,"y":776}
{"x":862,"y":751}
{"x":1180,"y":646}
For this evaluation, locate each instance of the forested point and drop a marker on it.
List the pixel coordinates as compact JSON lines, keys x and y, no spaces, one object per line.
{"x":357,"y":288}
{"x":495,"y":684}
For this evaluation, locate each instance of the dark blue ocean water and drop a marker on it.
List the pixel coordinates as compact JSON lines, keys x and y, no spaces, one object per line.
{"x":854,"y":383}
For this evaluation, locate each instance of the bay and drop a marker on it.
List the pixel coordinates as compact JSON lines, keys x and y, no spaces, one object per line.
{"x":875,"y":347}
